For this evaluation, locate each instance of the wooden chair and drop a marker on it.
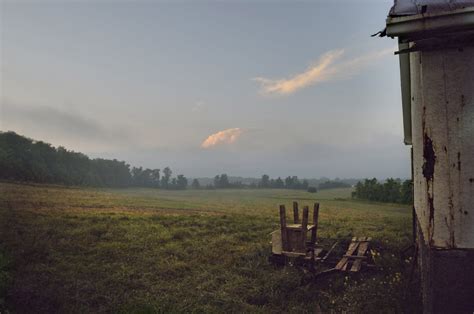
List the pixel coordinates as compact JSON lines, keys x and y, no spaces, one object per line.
{"x":294,"y":237}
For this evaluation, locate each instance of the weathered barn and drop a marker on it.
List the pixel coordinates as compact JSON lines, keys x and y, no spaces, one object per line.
{"x":436,"y":51}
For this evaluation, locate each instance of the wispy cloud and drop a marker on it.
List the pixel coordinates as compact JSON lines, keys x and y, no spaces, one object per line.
{"x":228,"y":136}
{"x":325,"y":69}
{"x":61,"y":127}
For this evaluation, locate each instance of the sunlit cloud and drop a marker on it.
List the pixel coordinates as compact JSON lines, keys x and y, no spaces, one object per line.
{"x":329,"y":67}
{"x":228,"y":136}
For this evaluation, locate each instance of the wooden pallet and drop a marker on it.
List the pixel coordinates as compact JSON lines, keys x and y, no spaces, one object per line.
{"x":355,"y":254}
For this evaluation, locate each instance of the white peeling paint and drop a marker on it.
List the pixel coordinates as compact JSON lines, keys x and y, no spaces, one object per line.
{"x":442,"y":88}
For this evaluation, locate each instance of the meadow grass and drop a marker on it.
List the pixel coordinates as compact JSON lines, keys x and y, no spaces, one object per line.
{"x":148,"y":250}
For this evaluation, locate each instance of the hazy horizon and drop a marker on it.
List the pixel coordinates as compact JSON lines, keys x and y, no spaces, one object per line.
{"x":208,"y":87}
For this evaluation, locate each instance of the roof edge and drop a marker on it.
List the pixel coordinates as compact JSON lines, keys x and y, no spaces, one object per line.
{"x":453,"y":20}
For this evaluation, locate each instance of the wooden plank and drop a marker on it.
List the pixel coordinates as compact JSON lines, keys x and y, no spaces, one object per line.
{"x":342,"y":265}
{"x":315,"y":223}
{"x":363,"y":247}
{"x":354,"y":257}
{"x":293,"y":254}
{"x":313,"y":233}
{"x":294,"y":240}
{"x":330,"y":251}
{"x":284,"y":236}
{"x":304,"y":227}
{"x":299,"y":227}
{"x":276,"y":242}
{"x":296,"y":218}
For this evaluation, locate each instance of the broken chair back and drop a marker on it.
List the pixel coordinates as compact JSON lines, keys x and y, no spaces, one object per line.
{"x":298,"y":238}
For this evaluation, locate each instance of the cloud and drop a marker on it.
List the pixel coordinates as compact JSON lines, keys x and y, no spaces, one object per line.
{"x":60,"y":127}
{"x":228,"y":136}
{"x":326,"y":69}
{"x":53,"y":119}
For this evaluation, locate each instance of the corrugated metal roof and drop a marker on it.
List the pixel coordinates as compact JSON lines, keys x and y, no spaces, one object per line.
{"x":412,"y":7}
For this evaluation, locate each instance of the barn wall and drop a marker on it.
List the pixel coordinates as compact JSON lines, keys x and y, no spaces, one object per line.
{"x":442,"y":89}
{"x":447,"y":278}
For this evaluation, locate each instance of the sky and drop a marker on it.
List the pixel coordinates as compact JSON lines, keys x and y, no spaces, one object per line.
{"x":207,"y":87}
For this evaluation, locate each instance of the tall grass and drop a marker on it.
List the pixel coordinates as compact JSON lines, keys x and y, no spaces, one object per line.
{"x":146,"y":250}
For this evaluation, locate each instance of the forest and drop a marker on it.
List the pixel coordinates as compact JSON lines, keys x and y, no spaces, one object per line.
{"x":24,"y":159}
{"x":265,"y":182}
{"x":390,"y":191}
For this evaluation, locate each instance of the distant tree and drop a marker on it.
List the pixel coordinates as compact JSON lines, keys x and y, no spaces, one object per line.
{"x":293,"y":183}
{"x":147,"y":179}
{"x":279,"y":184}
{"x":181,"y":182}
{"x":137,"y":176}
{"x":289,"y":183}
{"x":237,"y":185}
{"x":155,"y":177}
{"x":392,"y":190}
{"x":217,"y":181}
{"x":304,"y":185}
{"x":196,"y":184}
{"x":24,"y":159}
{"x":224,"y":181}
{"x":265,"y":181}
{"x":271,"y":183}
{"x":221,"y":181}
{"x":173,"y":184}
{"x":165,"y":179}
{"x":406,"y":192}
{"x":312,"y":189}
{"x":333,"y":184}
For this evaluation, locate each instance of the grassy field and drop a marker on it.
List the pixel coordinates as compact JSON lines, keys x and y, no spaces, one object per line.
{"x":145,"y":250}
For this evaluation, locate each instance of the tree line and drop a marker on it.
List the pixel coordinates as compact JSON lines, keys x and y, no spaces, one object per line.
{"x":24,"y":159}
{"x":291,"y":182}
{"x":392,"y":191}
{"x":333,"y":185}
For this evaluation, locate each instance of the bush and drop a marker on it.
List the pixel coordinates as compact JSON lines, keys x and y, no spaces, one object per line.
{"x":312,"y":189}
